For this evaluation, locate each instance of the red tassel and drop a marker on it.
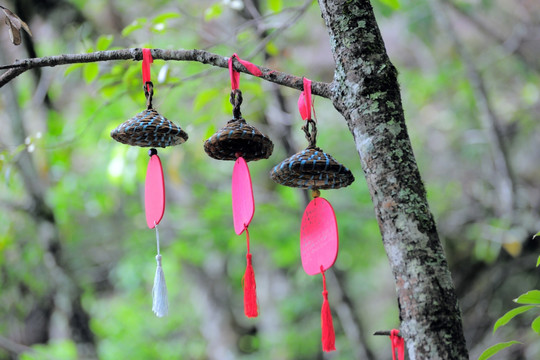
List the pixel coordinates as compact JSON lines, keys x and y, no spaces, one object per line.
{"x":250,"y":290}
{"x":250,"y":287}
{"x":327,"y":326}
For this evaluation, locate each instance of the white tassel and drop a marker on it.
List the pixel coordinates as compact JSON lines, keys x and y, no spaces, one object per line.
{"x":160,"y":303}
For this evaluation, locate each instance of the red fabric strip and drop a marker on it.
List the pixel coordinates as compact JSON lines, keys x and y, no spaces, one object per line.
{"x":304,"y":101}
{"x":397,"y":344}
{"x":147,"y":60}
{"x":235,"y":75}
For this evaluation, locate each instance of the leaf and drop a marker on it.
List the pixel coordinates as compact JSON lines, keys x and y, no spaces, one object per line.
{"x":164,"y":17}
{"x":204,"y":97}
{"x":275,"y":5}
{"x":135,"y":25}
{"x":536,"y":325}
{"x":530,"y":297}
{"x":71,"y":68}
{"x":272,"y":49}
{"x":15,"y":24}
{"x":538,"y":261}
{"x":492,"y":350}
{"x":103,"y":42}
{"x":503,"y":320}
{"x":90,"y":72}
{"x":213,"y":12}
{"x":537,"y":234}
{"x":393,"y":4}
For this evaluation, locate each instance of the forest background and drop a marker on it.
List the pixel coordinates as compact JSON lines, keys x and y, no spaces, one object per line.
{"x":71,"y":193}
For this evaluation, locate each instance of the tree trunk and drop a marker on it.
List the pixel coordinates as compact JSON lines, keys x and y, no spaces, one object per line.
{"x":366,"y":92}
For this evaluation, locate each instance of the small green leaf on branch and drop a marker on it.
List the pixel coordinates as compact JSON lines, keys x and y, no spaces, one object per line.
{"x":71,"y":68}
{"x":135,"y":25}
{"x":103,"y":42}
{"x":90,"y":72}
{"x":492,"y":350}
{"x":536,"y":325}
{"x":393,"y":4}
{"x":213,"y":12}
{"x":164,"y":17}
{"x":503,"y":320}
{"x":275,"y":5}
{"x":530,"y":297}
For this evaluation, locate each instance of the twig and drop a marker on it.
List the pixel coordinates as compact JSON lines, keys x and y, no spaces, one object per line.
{"x":506,"y":182}
{"x":385,"y":333}
{"x":510,"y":46}
{"x":204,"y":57}
{"x":287,"y":24}
{"x":13,"y":347}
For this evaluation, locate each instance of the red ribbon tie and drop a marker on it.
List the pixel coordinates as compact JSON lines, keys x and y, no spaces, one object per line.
{"x":235,"y":75}
{"x":147,"y":60}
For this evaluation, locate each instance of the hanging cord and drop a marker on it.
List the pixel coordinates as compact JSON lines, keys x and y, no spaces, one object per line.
{"x":236,"y":94}
{"x":328,"y":336}
{"x":148,"y":93}
{"x":311,"y":134}
{"x":236,"y":100}
{"x":160,"y":303}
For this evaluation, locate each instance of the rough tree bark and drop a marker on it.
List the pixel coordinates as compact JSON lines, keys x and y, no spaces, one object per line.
{"x":366,"y":92}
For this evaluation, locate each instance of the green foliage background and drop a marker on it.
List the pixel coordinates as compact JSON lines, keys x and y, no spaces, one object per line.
{"x":95,"y":186}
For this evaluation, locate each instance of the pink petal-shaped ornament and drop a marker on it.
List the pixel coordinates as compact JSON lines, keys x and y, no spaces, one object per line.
{"x":318,"y":236}
{"x":154,"y":192}
{"x":242,"y":196}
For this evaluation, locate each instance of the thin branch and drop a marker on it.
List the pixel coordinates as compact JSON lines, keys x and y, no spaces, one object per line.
{"x":287,"y":24}
{"x":511,"y":45}
{"x":204,"y":57}
{"x":384,"y":333}
{"x":505,"y":176}
{"x":13,"y":347}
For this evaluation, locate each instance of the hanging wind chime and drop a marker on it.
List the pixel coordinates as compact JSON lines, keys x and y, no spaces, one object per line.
{"x":150,"y":129}
{"x":241,"y":142}
{"x":314,"y":169}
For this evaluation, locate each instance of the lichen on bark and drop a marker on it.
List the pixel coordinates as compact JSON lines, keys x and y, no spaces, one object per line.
{"x":366,"y":92}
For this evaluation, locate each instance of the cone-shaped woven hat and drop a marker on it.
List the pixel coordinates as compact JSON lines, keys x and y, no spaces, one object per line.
{"x":149,"y":129}
{"x":239,"y":138}
{"x":312,"y":168}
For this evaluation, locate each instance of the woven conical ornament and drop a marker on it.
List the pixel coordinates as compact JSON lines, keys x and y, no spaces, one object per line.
{"x":241,"y":142}
{"x":312,"y":168}
{"x":238,"y":138}
{"x":148,"y":128}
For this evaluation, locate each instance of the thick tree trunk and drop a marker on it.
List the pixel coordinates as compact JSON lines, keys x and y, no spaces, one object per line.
{"x":366,"y":93}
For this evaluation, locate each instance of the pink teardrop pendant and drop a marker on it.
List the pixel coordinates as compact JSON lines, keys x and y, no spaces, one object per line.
{"x":154,"y":190}
{"x":318,"y":236}
{"x":243,"y":204}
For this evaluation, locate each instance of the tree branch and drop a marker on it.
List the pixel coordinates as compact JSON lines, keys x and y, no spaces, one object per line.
{"x":13,"y":347}
{"x":503,"y":174}
{"x":204,"y":57}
